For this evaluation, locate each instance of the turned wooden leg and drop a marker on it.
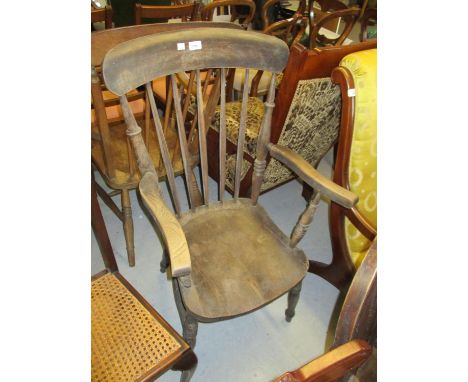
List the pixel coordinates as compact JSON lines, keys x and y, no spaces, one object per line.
{"x":164,"y":262}
{"x":187,"y":364}
{"x":293,"y":298}
{"x":190,"y":329}
{"x":128,"y":227}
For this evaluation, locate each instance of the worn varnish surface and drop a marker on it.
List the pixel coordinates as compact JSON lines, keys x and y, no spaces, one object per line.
{"x":240,"y":259}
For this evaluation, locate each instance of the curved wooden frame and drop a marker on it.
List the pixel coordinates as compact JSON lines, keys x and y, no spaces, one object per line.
{"x":369,"y":18}
{"x":349,"y":17}
{"x":186,"y":12}
{"x":208,"y":10}
{"x":103,"y":14}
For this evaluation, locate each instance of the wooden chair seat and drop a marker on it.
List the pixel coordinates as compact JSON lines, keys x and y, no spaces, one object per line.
{"x":123,"y":178}
{"x":229,"y":280}
{"x":129,"y":341}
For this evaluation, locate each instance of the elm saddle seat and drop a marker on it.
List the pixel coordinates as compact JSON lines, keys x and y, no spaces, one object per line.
{"x":226,"y":257}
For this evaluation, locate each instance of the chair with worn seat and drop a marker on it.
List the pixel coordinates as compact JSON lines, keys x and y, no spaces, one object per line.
{"x":227,"y":257}
{"x":110,"y":151}
{"x":130,"y":341}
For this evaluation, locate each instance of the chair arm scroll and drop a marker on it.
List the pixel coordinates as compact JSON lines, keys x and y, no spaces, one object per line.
{"x":169,"y":226}
{"x":312,"y":177}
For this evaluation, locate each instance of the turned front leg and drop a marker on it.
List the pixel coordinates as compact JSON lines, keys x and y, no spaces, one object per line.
{"x":293,"y":298}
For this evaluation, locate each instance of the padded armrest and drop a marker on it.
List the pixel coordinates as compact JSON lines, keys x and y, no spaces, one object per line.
{"x":169,"y":226}
{"x":312,"y":177}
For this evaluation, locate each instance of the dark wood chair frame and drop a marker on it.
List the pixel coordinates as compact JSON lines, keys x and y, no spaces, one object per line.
{"x":208,"y":10}
{"x":369,"y":18}
{"x":185,"y":359}
{"x":141,"y":61}
{"x":101,"y":43}
{"x":355,"y":333}
{"x":103,"y":14}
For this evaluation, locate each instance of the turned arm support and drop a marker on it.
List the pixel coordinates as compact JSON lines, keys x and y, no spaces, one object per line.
{"x":169,"y":226}
{"x":312,"y":177}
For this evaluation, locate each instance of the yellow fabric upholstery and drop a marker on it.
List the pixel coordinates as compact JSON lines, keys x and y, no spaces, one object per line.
{"x":363,"y":156}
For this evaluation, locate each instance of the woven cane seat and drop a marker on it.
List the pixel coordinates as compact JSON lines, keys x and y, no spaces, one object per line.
{"x":128,"y":342}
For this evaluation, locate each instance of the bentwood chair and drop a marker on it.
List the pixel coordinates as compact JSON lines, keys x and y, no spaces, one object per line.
{"x":355,"y":339}
{"x":130,"y":341}
{"x":111,"y":152}
{"x":230,"y":7}
{"x":227,"y":257}
{"x":331,"y":10}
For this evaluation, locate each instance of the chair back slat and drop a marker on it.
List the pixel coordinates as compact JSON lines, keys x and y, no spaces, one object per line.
{"x":241,"y":137}
{"x":263,"y":139}
{"x":163,"y":148}
{"x":202,"y":138}
{"x":182,"y":139}
{"x":222,"y":137}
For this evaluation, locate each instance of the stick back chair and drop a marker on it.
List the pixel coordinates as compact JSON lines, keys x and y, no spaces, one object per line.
{"x":111,"y":151}
{"x":355,"y":340}
{"x":124,"y":326}
{"x":227,"y":257}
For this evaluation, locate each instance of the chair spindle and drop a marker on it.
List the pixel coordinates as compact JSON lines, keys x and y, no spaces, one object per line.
{"x":304,"y":220}
{"x":164,"y":149}
{"x":183,"y":140}
{"x":263,"y":140}
{"x":241,"y":137}
{"x":222,"y":137}
{"x":202,"y":138}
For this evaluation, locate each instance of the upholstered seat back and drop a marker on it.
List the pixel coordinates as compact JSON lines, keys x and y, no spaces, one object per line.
{"x":363,"y":155}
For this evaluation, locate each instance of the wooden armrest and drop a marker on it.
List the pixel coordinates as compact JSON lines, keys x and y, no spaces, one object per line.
{"x":169,"y":226}
{"x":312,"y":177}
{"x":332,"y":365}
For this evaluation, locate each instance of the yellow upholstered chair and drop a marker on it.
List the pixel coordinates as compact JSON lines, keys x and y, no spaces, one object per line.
{"x":352,"y":230}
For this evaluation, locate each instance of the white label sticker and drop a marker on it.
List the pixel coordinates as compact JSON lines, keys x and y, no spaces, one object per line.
{"x":181,"y":46}
{"x":194,"y":45}
{"x":351,"y":92}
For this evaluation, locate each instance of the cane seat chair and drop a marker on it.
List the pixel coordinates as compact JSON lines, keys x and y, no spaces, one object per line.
{"x":130,"y":341}
{"x":111,"y":151}
{"x":227,"y":257}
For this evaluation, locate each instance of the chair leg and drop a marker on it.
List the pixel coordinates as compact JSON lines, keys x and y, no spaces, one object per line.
{"x":164,"y":262}
{"x":293,"y":298}
{"x":187,"y":364}
{"x":128,"y":227}
{"x":190,"y":330}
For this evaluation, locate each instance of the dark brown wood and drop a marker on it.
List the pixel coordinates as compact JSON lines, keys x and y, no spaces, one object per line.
{"x":245,"y":19}
{"x":332,"y":365}
{"x":185,"y":12}
{"x":102,"y":15}
{"x":369,"y":18}
{"x":100,"y":231}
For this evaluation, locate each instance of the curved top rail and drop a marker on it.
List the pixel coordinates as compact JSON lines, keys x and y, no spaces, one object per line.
{"x":136,"y":62}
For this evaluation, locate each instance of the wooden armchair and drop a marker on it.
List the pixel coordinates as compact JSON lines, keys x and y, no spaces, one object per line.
{"x":227,"y":257}
{"x":353,"y":230}
{"x":111,"y":152}
{"x":307,"y":119}
{"x":129,"y":339}
{"x":355,"y":334}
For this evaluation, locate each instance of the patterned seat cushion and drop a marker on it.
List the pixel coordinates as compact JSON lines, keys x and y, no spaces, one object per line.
{"x":255,"y":112}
